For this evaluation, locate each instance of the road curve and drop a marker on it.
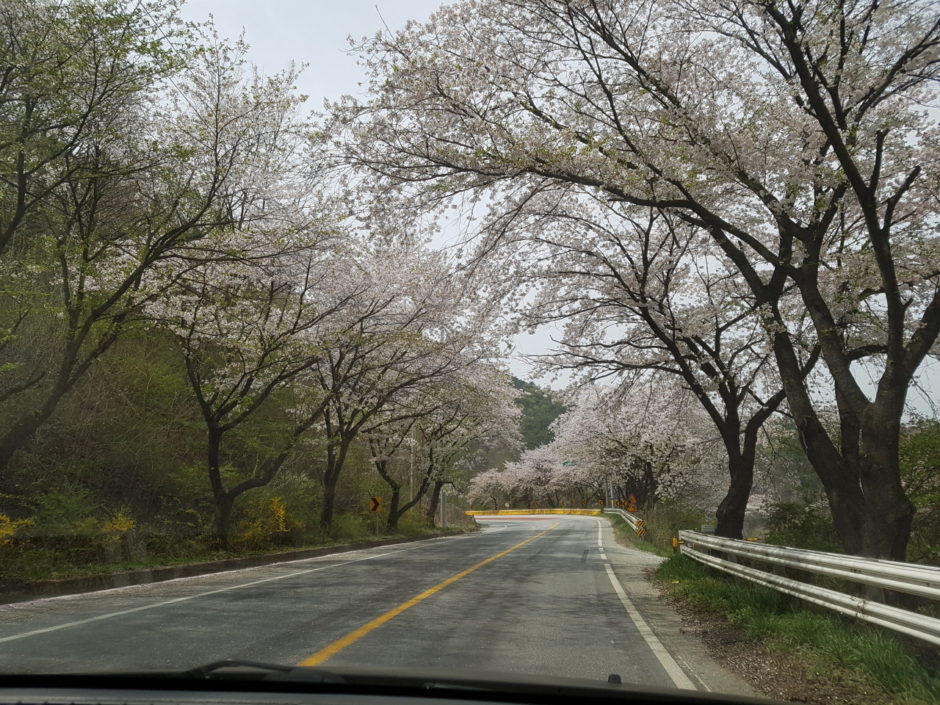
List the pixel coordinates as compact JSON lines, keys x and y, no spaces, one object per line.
{"x":535,"y":595}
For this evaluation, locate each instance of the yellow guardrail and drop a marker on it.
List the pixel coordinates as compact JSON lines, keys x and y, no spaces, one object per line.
{"x":517,"y":512}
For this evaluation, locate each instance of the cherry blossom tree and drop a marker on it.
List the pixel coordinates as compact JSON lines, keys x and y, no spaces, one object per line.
{"x":453,"y":420}
{"x":794,"y":135}
{"x":481,"y":413}
{"x":247,"y":332}
{"x":486,"y":487}
{"x":640,"y":290}
{"x":411,"y":331}
{"x":650,"y":438}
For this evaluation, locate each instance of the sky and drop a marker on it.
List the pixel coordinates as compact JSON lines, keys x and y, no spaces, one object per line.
{"x":315,"y":32}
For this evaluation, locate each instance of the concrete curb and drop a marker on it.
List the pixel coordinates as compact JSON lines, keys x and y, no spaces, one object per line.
{"x":72,"y":586}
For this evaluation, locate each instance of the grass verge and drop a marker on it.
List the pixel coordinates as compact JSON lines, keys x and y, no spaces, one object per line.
{"x":626,"y":536}
{"x":36,"y":566}
{"x":904,"y":671}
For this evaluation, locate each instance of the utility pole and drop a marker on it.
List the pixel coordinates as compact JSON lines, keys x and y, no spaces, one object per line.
{"x":411,"y":467}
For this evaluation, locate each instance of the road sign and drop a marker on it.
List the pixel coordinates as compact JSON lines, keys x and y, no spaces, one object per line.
{"x":631,"y":503}
{"x":376,"y":503}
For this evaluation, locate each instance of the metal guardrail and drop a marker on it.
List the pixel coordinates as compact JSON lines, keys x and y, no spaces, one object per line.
{"x":637,"y":524}
{"x":923,"y":581}
{"x":521,"y":512}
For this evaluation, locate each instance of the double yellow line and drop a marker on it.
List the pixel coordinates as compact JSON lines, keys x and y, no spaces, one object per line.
{"x":354,"y":636}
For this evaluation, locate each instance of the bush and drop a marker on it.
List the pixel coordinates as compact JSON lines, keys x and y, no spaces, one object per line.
{"x":920,"y":472}
{"x":414,"y":523}
{"x":665,"y":518}
{"x":266,"y":523}
{"x":803,"y":526}
{"x":9,"y":528}
{"x":349,"y":527}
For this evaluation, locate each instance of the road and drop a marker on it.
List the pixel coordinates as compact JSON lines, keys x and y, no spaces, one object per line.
{"x":538,"y":595}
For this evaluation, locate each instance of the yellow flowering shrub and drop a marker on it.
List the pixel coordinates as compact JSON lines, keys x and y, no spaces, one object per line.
{"x":266,"y":523}
{"x":9,"y":528}
{"x":117,"y":528}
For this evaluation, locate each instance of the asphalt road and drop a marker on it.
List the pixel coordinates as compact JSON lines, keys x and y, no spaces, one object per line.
{"x":551,"y":595}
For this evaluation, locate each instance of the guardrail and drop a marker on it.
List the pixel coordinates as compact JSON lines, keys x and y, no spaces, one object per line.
{"x":920,"y":580}
{"x":520,"y":512}
{"x":637,"y":524}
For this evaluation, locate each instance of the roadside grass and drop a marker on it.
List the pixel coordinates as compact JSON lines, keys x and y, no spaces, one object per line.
{"x":904,"y":671}
{"x":34,"y":565}
{"x":625,"y":535}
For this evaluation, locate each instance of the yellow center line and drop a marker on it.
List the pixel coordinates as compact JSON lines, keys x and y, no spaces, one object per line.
{"x":354,"y":636}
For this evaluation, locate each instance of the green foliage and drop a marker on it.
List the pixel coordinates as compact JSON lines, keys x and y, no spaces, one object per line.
{"x":663,"y":521}
{"x":61,"y":511}
{"x":783,"y":623}
{"x":350,"y":527}
{"x":920,"y":472}
{"x":803,"y":526}
{"x":538,"y":412}
{"x":628,"y":536}
{"x":667,"y":517}
{"x":803,"y":519}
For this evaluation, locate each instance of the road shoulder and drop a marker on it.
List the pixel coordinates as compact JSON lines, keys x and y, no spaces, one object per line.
{"x":633,"y":569}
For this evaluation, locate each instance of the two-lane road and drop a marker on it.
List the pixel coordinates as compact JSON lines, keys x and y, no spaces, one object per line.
{"x":532,"y":595}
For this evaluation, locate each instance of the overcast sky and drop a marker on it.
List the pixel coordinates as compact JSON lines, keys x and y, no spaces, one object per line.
{"x":313,"y":32}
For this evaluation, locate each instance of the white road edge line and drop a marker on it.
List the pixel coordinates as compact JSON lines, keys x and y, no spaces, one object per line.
{"x":109,"y":615}
{"x":673,"y":670}
{"x":696,"y":676}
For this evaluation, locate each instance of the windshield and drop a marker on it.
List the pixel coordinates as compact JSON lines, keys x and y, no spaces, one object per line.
{"x":476,"y":337}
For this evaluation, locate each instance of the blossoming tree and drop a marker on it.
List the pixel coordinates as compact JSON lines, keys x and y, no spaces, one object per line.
{"x":793,"y":134}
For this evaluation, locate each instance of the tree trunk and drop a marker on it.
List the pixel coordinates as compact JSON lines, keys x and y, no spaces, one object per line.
{"x":742,"y":452}
{"x":435,"y":500}
{"x":861,"y":478}
{"x":888,"y":511}
{"x":23,"y":429}
{"x":842,"y":491}
{"x":393,"y":512}
{"x":732,"y":508}
{"x":335,"y":458}
{"x":223,"y":502}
